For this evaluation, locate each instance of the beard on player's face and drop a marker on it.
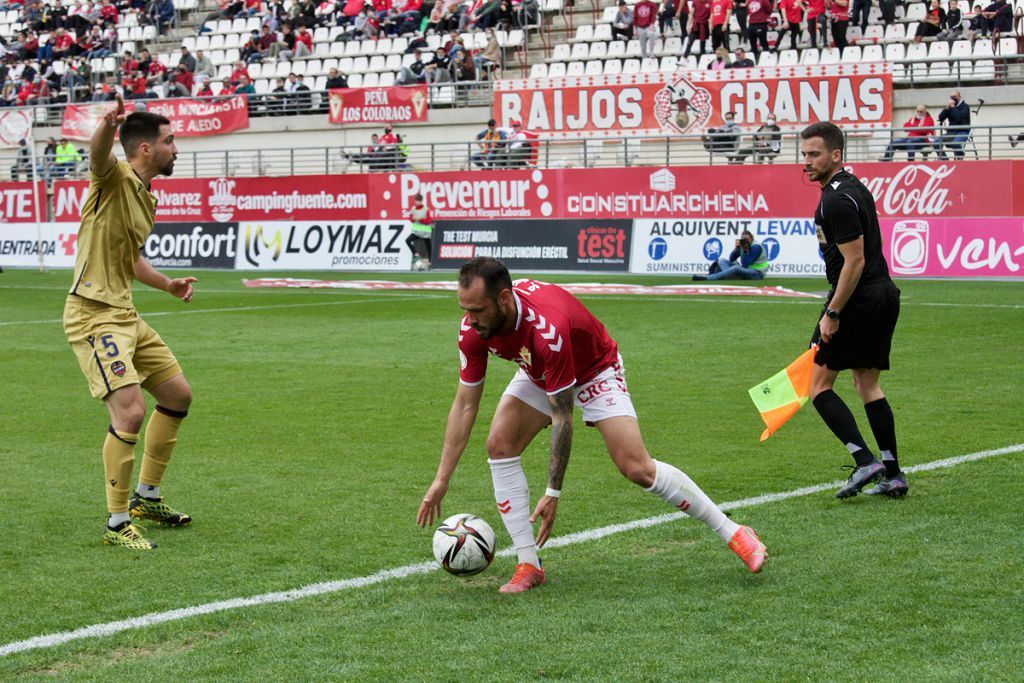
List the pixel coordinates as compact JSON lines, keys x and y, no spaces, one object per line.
{"x":491,"y":326}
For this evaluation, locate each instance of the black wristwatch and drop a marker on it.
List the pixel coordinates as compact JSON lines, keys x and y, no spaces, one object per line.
{"x":832,"y":315}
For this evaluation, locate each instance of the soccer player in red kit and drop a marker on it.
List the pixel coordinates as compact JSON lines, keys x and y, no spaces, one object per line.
{"x":565,"y":358}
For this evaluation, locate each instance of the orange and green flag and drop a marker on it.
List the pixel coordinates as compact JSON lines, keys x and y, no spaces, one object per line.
{"x":781,"y":395}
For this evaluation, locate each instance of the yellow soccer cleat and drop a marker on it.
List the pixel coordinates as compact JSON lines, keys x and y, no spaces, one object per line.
{"x":127,"y":535}
{"x":157,"y":510}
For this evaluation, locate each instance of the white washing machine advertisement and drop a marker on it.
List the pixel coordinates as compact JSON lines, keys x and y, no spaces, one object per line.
{"x":688,"y":246}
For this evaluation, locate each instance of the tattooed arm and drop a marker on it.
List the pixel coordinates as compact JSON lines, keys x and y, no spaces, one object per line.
{"x":561,"y":445}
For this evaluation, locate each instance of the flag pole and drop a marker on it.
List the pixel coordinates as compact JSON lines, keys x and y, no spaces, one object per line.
{"x":30,"y":141}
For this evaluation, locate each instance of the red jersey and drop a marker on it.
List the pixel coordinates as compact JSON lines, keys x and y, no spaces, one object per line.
{"x":838,"y":12}
{"x":815,"y":8}
{"x":645,"y":13}
{"x":701,"y":12}
{"x":793,"y":10}
{"x":758,"y":11}
{"x":556,"y":340}
{"x":718,"y":10}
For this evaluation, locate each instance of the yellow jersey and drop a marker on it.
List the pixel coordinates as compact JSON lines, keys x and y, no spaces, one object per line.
{"x":117,"y":216}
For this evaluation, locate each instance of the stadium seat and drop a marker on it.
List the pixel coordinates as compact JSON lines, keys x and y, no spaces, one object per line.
{"x":337,"y":49}
{"x":223,"y":26}
{"x":584,"y":33}
{"x":612,"y":67}
{"x":916,"y":11}
{"x":539,"y":70}
{"x":399,"y":45}
{"x":232,"y":40}
{"x":873,"y":53}
{"x":231,"y":56}
{"x":984,"y":70}
{"x":352,"y":48}
{"x":961,"y":48}
{"x":631,"y":66}
{"x":262,"y":86}
{"x":217,"y":42}
{"x":648,"y":65}
{"x":377,"y":64}
{"x":594,"y":67}
{"x":203,"y":43}
{"x":668,"y":64}
{"x":603,"y":32}
{"x":329,"y":64}
{"x":983,"y":48}
{"x":938,"y":50}
{"x":387,"y":79}
{"x":561,"y":52}
{"x":608,"y":15}
{"x":371,"y":80}
{"x":617,"y":48}
{"x":1007,"y":47}
{"x":217,"y":57}
{"x":938,"y":71}
{"x":874,"y":33}
{"x":911,"y":29}
{"x":321,"y":34}
{"x":851,"y":55}
{"x":598,"y":50}
{"x":575,"y":69}
{"x":252,"y":24}
{"x":355,"y":80}
{"x":391,"y":63}
{"x":810,"y":56}
{"x":345,"y":64}
{"x":514,"y":39}
{"x":830,"y":55}
{"x":895,"y":33}
{"x":367,"y":47}
{"x":557,"y":70}
{"x":789,"y":57}
{"x":256,"y":70}
{"x":673,"y":45}
{"x":237,"y":26}
{"x":895,"y":52}
{"x":705,"y":61}
{"x":633,"y":48}
{"x":581,"y":51}
{"x":360,"y":65}
{"x":769,"y":58}
{"x":689,"y":63}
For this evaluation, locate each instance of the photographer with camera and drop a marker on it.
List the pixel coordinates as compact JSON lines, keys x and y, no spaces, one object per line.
{"x":748,"y":261}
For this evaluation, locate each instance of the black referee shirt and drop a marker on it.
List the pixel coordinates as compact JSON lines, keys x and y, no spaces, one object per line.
{"x":847,"y":211}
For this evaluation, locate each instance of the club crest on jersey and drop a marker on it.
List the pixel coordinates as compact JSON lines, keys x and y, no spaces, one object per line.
{"x":525,"y":357}
{"x":118,"y":368}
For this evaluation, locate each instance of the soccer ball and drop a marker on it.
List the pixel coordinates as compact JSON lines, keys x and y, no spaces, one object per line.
{"x":464,"y":545}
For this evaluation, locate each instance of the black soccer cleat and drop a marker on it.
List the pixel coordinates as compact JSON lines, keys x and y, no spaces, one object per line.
{"x":894,"y":486}
{"x":861,"y":477}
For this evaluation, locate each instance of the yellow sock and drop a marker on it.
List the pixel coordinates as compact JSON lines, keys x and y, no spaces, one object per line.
{"x":161,"y":435}
{"x":118,"y":461}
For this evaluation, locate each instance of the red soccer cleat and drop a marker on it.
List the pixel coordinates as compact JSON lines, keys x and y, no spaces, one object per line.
{"x":749,"y":547}
{"x":526,"y":577}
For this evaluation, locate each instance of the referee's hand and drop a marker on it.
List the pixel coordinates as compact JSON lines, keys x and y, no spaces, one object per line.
{"x":828,"y":328}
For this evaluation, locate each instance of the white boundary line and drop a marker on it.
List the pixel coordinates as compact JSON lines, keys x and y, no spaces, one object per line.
{"x":313,"y":589}
{"x":235,"y":309}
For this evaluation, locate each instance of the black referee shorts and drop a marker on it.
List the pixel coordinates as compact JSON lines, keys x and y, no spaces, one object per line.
{"x":865,"y":329}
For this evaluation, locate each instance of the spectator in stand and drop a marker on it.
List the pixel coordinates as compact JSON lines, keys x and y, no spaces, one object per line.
{"x":145,"y":61}
{"x":645,"y":18}
{"x":792,"y":12}
{"x":303,"y":43}
{"x":492,"y":146}
{"x":23,"y":163}
{"x":888,"y":10}
{"x":381,"y":9}
{"x":998,"y":19}
{"x":306,"y":15}
{"x":859,"y":10}
{"x":463,"y":66}
{"x":72,"y":80}
{"x":238,"y":71}
{"x":301,"y":95}
{"x":957,"y":117}
{"x":742,"y":61}
{"x":527,"y":13}
{"x":839,"y":13}
{"x":108,"y":12}
{"x":128,"y":63}
{"x":251,"y":52}
{"x":228,"y":10}
{"x":277,"y":100}
{"x":409,"y":17}
{"x":63,"y":44}
{"x":250,"y":8}
{"x":422,"y":226}
{"x":102,"y":93}
{"x":226,"y":87}
{"x":30,"y":48}
{"x":721,"y":60}
{"x":622,"y":23}
{"x":767,"y":143}
{"x":439,"y":69}
{"x":666,"y":17}
{"x":244,"y":86}
{"x":757,"y":30}
{"x":817,"y":22}
{"x":135,"y":86}
{"x":284,"y":48}
{"x":204,"y":67}
{"x":683,"y":15}
{"x":336,"y":80}
{"x":371,"y":157}
{"x":698,"y":29}
{"x":954,"y":23}
{"x":740,"y":9}
{"x":181,"y":83}
{"x":365,"y":25}
{"x":977,"y":28}
{"x":519,"y":147}
{"x":933,"y":24}
{"x":65,"y":158}
{"x":414,"y":72}
{"x":1016,"y":139}
{"x":919,"y":131}
{"x":187,"y":60}
{"x":721,"y":11}
{"x":204,"y":89}
{"x":325,"y":12}
{"x":91,"y":44}
{"x":157,"y":72}
{"x":490,"y":58}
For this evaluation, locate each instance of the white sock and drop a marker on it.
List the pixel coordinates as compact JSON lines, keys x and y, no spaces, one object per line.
{"x":116,"y":518}
{"x":678,"y":490}
{"x":512,"y":494}
{"x":147,"y":491}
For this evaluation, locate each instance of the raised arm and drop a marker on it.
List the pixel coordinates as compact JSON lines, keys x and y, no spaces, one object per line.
{"x":101,"y":157}
{"x":461,"y":418}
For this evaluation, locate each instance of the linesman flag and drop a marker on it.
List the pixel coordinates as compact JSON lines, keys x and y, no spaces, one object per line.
{"x":781,"y":395}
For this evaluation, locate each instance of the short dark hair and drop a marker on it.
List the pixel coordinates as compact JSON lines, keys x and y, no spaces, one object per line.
{"x":139,"y":127}
{"x":829,"y":132}
{"x":493,"y":272}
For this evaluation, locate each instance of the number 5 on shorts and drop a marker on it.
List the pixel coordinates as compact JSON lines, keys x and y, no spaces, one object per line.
{"x":108,"y":343}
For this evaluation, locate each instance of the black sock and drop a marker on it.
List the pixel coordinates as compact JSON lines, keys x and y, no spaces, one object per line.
{"x":884,"y":428}
{"x":842,"y":423}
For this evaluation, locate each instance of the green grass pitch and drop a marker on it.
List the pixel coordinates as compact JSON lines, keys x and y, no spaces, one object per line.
{"x":316,"y":428}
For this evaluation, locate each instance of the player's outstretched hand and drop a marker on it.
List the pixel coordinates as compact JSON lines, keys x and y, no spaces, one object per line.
{"x":116,"y":116}
{"x":182,"y":288}
{"x":547,"y":508}
{"x":430,"y":508}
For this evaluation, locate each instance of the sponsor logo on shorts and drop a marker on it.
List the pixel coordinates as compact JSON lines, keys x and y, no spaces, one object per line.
{"x":118,"y":368}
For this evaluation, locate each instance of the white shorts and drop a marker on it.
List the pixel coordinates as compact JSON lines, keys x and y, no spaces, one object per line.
{"x":602,"y":397}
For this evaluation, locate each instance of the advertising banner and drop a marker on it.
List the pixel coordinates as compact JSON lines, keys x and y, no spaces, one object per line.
{"x":854,"y":96}
{"x":538,"y":244}
{"x":396,"y":104}
{"x":939,"y":247}
{"x":192,"y":245}
{"x":690,"y":246}
{"x":21,"y":246}
{"x":80,"y":120}
{"x":15,"y":125}
{"x":18,"y":202}
{"x":193,"y":118}
{"x":323,"y":246}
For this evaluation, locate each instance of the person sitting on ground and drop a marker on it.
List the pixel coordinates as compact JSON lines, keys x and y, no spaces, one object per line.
{"x":748,"y":261}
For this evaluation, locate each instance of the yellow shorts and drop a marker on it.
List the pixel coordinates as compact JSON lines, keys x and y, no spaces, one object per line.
{"x":115,"y":347}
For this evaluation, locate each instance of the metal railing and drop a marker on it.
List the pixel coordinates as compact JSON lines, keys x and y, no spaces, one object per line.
{"x":984,"y":142}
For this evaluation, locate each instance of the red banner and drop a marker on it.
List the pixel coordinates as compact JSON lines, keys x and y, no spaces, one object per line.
{"x":854,"y":96}
{"x":17,"y":204}
{"x":189,"y":118}
{"x":901,"y":190}
{"x":398,"y":104}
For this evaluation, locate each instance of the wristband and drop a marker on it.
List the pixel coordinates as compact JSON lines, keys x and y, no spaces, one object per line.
{"x":554,"y":493}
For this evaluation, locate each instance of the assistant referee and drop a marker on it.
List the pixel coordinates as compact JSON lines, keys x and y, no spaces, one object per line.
{"x":856,"y":327}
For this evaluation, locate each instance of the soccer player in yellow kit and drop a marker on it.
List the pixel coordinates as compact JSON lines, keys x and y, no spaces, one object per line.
{"x":118,"y":352}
